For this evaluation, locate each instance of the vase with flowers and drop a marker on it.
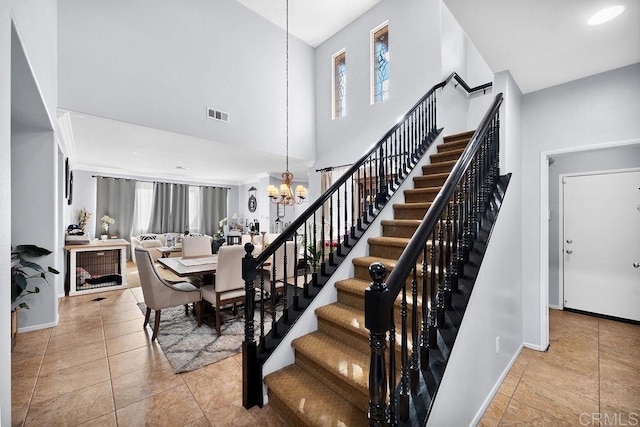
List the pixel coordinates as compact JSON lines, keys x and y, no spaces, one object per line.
{"x":83,"y":219}
{"x":106,"y":222}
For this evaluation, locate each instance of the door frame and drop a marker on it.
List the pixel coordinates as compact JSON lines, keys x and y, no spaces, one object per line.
{"x":561,"y":222}
{"x":545,"y":158}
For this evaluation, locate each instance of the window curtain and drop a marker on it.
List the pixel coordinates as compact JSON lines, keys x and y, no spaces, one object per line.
{"x":142,"y":210}
{"x":170,"y":209}
{"x":116,"y":198}
{"x":213,"y":208}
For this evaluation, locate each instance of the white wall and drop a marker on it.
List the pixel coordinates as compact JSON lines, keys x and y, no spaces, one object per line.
{"x":5,"y":207}
{"x":496,"y":303}
{"x":162,"y":63}
{"x":593,"y":161}
{"x":414,"y":49}
{"x":37,"y":26}
{"x":599,"y":109}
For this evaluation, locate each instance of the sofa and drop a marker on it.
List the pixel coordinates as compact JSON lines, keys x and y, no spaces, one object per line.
{"x":157,"y":240}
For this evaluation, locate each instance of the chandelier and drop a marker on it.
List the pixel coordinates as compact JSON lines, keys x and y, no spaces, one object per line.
{"x":285,"y":195}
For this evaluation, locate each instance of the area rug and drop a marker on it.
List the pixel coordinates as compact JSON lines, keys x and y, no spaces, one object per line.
{"x":189,"y":347}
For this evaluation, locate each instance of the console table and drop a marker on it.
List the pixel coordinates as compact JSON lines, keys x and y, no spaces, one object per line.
{"x":96,"y":267}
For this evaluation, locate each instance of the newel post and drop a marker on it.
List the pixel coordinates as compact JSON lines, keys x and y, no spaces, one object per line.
{"x":378,"y":322}
{"x":251,"y":376}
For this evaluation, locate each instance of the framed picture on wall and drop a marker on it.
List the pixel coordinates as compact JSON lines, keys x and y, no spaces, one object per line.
{"x":280,"y":211}
{"x":69,"y":199}
{"x":66,"y":178}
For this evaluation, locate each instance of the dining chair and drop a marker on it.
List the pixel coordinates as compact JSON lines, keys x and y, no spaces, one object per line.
{"x":229,"y":286}
{"x":196,"y":246}
{"x":159,"y":293}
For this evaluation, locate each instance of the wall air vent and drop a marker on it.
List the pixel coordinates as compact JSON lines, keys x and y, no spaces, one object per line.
{"x":218,"y":115}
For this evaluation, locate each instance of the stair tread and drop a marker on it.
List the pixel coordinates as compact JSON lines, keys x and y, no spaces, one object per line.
{"x":312,"y":401}
{"x":345,"y":316}
{"x":457,"y":136}
{"x":331,"y":354}
{"x":414,"y":205}
{"x":402,"y":222}
{"x":389,"y":241}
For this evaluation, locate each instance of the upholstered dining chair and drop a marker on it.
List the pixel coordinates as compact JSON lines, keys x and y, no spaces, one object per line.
{"x":229,"y":286}
{"x":159,"y":293}
{"x":196,"y":246}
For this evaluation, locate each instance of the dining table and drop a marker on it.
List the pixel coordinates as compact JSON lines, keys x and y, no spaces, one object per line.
{"x":203,"y":267}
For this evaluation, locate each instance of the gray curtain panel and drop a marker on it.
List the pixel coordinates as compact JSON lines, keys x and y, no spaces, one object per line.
{"x":170,"y":211}
{"x":213,"y":208}
{"x":116,"y":198}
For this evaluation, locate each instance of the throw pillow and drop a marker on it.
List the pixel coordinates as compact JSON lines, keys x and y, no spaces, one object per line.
{"x":144,"y":237}
{"x":151,"y":244}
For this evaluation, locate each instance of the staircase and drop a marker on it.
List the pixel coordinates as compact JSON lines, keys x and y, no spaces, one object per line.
{"x":328,"y":384}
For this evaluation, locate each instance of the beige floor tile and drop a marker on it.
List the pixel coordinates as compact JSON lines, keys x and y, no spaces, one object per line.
{"x":215,"y":391}
{"x":565,"y":377}
{"x":116,"y":297}
{"x":495,"y":411}
{"x":563,"y":404}
{"x":233,"y":414}
{"x":227,"y":366}
{"x":146,"y":358}
{"x":521,"y":362}
{"x":70,"y":379}
{"x":32,"y":343}
{"x":520,"y":414}
{"x":175,"y":407}
{"x":115,"y":308}
{"x":122,"y":316}
{"x":128,"y":342}
{"x":73,"y":408}
{"x":67,"y":328}
{"x":137,"y":293}
{"x":200,"y":422}
{"x":509,"y":384}
{"x":22,"y":390}
{"x":613,"y":416}
{"x":620,"y":395}
{"x":266,"y":416}
{"x":77,"y":339}
{"x":25,"y":367}
{"x":107,"y":420}
{"x":139,"y":385}
{"x":123,"y":328}
{"x":18,"y":414}
{"x":58,"y":360}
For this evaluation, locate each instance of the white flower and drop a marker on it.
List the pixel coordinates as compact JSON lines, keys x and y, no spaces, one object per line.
{"x":107,"y":220}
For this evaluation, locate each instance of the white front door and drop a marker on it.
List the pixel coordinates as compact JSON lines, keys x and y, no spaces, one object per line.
{"x":601,"y":244}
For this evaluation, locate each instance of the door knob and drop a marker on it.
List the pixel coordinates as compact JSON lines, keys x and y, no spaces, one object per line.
{"x":569,"y":241}
{"x":569,"y":251}
{"x":636,"y":265}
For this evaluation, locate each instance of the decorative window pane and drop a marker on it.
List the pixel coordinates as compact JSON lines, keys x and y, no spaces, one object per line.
{"x":380,"y":72}
{"x":339,"y":84}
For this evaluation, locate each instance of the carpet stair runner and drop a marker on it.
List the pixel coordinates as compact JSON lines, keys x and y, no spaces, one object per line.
{"x":328,"y":383}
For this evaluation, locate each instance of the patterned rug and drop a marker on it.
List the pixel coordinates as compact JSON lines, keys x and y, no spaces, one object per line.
{"x":189,"y":347}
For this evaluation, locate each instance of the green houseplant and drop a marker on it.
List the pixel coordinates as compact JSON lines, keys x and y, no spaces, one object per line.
{"x":22,"y":270}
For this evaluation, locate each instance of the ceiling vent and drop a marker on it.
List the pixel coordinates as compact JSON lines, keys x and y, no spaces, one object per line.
{"x":218,"y":115}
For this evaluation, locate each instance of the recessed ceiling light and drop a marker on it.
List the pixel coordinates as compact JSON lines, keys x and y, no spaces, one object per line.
{"x":182,"y":168}
{"x":606,"y":15}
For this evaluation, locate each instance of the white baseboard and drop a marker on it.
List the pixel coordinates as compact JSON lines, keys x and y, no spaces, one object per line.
{"x":535,"y":347}
{"x":555,"y":307}
{"x":37,"y":327}
{"x":495,"y":388}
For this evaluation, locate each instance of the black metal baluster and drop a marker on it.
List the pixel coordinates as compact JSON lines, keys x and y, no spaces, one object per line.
{"x":447,"y":261}
{"x":433,"y":300}
{"x":296,"y":291}
{"x":285,"y":308}
{"x":305,"y":283}
{"x":454,"y":243}
{"x":393,"y":404}
{"x":415,"y":336}
{"x":426,"y":298}
{"x":404,"y":368}
{"x":440,"y":302}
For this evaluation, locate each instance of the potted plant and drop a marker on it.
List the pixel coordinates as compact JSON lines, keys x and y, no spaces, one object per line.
{"x":22,"y":270}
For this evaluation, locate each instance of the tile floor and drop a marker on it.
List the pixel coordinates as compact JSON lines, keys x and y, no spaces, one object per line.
{"x":589,"y":376}
{"x":98,"y":368}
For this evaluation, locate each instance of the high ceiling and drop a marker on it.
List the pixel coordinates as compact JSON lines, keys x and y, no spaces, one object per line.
{"x":543,"y":43}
